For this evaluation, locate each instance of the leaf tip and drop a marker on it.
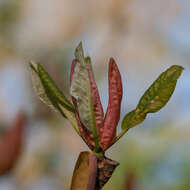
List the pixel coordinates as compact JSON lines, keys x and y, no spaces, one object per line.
{"x":79,"y":51}
{"x":88,"y":59}
{"x":33,"y":65}
{"x":177,"y":68}
{"x":112,"y":61}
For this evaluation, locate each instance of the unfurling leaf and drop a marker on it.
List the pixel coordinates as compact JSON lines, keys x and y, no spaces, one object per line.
{"x":85,"y":133}
{"x":11,"y":145}
{"x":82,"y":93}
{"x":113,"y":111}
{"x":80,"y":90}
{"x":156,"y":97}
{"x":85,"y":172}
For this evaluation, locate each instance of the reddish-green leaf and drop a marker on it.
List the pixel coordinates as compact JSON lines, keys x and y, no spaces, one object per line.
{"x":85,"y":133}
{"x":82,"y":94}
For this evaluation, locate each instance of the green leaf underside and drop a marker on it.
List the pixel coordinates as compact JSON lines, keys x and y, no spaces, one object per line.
{"x":80,"y":90}
{"x":156,"y":97}
{"x":48,"y":93}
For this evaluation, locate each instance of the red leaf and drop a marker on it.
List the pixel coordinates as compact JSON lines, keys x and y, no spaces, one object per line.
{"x":11,"y":145}
{"x":113,"y":111}
{"x":97,"y":106}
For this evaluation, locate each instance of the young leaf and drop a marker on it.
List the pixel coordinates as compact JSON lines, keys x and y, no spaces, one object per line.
{"x":113,"y":111}
{"x":159,"y":93}
{"x":85,"y":133}
{"x":156,"y":97}
{"x":46,"y":88}
{"x":97,"y":106}
{"x":81,"y":92}
{"x":132,"y":119}
{"x":39,"y":88}
{"x":89,"y":64}
{"x":79,"y":54}
{"x":50,"y":94}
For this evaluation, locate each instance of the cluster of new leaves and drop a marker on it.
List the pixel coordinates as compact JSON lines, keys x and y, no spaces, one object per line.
{"x":86,"y":114}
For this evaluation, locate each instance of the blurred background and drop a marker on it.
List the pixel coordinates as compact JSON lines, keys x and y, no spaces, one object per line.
{"x":145,"y":38}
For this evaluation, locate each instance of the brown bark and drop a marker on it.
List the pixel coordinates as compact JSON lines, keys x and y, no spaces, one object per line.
{"x":106,"y":168}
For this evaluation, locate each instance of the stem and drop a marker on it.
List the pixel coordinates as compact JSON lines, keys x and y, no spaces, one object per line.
{"x":98,"y":154}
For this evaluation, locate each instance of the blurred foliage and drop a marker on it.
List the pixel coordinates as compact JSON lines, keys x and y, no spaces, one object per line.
{"x":9,"y":15}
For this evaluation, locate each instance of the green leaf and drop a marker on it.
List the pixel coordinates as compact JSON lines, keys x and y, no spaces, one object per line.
{"x":50,"y":94}
{"x":132,"y":119}
{"x":80,"y":90}
{"x":156,"y":97}
{"x":159,"y":93}
{"x":39,"y":88}
{"x":49,"y":86}
{"x":79,"y":54}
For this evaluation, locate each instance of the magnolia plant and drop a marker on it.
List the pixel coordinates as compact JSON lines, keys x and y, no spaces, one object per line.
{"x":85,"y":113}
